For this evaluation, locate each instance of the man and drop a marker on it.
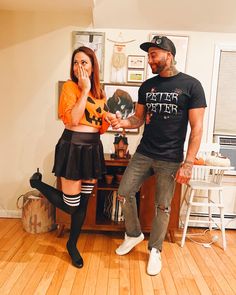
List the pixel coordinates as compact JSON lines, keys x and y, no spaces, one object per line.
{"x":166,"y":103}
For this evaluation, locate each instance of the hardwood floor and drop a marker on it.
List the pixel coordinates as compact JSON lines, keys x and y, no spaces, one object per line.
{"x":39,"y":264}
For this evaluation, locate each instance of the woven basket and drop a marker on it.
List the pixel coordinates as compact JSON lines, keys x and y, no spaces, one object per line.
{"x":38,"y":214}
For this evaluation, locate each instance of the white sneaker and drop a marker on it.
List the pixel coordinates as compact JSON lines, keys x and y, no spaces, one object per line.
{"x":128,"y":244}
{"x":154,"y":262}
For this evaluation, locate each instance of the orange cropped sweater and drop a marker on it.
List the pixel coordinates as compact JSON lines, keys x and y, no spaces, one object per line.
{"x":95,"y":109}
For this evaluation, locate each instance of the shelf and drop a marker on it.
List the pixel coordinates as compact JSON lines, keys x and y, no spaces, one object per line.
{"x":115,"y":162}
{"x":107,"y":187}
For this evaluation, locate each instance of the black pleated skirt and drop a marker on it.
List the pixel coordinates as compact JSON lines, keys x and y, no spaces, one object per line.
{"x":79,"y":155}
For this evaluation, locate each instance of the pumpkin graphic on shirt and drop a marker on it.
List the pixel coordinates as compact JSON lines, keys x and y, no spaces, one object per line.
{"x":94,"y":111}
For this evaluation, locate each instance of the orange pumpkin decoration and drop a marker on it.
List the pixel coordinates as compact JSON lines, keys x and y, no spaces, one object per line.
{"x":199,"y":161}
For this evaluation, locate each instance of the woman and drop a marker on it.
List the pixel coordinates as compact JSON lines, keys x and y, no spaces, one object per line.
{"x":79,"y":158}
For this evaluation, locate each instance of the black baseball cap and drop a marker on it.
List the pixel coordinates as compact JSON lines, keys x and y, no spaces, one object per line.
{"x":161,"y":42}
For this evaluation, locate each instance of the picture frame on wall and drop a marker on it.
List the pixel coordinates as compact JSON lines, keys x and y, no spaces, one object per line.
{"x":122,"y":98}
{"x":95,"y":41}
{"x":134,"y":75}
{"x":136,"y":61}
{"x":181,"y":44}
{"x":59,"y":89}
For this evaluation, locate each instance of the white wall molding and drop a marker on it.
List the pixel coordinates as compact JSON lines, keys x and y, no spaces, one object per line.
{"x":10,"y":213}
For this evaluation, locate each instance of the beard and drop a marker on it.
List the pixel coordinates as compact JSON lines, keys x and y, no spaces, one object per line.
{"x":157,"y":68}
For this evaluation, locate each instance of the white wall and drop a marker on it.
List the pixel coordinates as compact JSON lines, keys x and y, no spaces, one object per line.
{"x":35,"y":53}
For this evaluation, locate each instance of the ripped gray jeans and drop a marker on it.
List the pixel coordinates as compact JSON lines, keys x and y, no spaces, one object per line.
{"x":141,"y":167}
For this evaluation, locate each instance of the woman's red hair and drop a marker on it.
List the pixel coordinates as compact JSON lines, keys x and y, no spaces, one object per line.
{"x":95,"y":81}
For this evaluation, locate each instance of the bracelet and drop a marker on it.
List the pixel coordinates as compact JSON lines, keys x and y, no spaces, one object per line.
{"x":189,"y":162}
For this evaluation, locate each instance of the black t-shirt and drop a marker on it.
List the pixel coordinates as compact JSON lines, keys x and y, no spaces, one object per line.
{"x":167,"y":102}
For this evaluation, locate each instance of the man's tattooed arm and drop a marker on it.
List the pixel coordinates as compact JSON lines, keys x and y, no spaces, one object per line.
{"x":134,"y":122}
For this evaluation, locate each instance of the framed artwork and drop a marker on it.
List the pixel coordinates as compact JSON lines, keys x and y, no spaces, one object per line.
{"x":135,"y":75}
{"x":181,"y":44}
{"x":122,"y":98}
{"x":136,"y":61}
{"x":59,"y":89}
{"x":60,"y":84}
{"x":93,"y":40}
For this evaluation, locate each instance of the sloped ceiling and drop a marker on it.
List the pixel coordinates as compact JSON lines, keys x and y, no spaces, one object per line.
{"x":200,"y":15}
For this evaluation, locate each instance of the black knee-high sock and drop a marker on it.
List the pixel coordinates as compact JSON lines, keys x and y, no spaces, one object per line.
{"x":77,"y":221}
{"x":54,"y":196}
{"x":87,"y":188}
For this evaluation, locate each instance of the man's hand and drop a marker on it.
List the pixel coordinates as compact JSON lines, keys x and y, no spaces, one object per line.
{"x":115,"y":120}
{"x":110,"y":117}
{"x":184,"y":173}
